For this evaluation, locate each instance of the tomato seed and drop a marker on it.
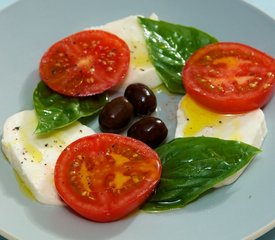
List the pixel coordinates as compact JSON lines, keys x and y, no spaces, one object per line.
{"x":92,"y":69}
{"x":259,"y":78}
{"x":253,"y":85}
{"x":84,"y":193}
{"x":73,"y":172}
{"x":76,"y":164}
{"x":73,"y":178}
{"x":266,"y":85}
{"x":109,"y":69}
{"x":90,"y":80}
{"x":111,"y":53}
{"x":208,"y":58}
{"x":270,"y":74}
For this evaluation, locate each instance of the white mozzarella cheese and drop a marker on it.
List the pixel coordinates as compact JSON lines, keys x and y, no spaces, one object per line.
{"x":141,"y":69}
{"x":194,"y":120}
{"x":34,"y":157}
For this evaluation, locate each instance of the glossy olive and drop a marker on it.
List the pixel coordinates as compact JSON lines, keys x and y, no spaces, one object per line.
{"x":149,"y":130}
{"x":142,"y":98}
{"x":115,"y":115}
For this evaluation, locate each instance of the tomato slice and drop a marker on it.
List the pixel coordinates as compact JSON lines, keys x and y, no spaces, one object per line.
{"x":105,"y":176}
{"x":230,"y":77}
{"x":85,"y":63}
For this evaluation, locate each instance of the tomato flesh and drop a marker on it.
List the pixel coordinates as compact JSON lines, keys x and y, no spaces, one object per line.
{"x":104,"y":177}
{"x":230,"y":77}
{"x":85,"y":63}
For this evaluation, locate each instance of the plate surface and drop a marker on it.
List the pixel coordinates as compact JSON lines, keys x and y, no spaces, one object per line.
{"x":29,"y":27}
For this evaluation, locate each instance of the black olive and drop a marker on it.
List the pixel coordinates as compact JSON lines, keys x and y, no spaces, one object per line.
{"x":115,"y":115}
{"x":142,"y":98}
{"x":149,"y":130}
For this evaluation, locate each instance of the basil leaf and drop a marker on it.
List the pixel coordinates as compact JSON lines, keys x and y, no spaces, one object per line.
{"x":192,"y":166}
{"x":169,"y":46}
{"x":56,"y":111}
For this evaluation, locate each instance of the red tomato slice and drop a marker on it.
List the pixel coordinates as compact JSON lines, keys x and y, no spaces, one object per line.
{"x":105,"y":176}
{"x":230,"y":77}
{"x":85,"y":63}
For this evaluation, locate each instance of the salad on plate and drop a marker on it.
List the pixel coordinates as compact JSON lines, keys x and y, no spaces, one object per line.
{"x":126,"y":157}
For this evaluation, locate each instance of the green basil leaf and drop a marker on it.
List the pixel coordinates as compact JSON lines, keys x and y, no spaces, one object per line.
{"x":169,"y":46}
{"x":56,"y":111}
{"x":194,"y":165}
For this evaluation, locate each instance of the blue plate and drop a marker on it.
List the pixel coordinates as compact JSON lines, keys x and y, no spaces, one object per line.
{"x":244,"y":209}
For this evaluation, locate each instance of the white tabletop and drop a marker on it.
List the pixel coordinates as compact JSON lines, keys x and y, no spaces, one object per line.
{"x":267,"y":6}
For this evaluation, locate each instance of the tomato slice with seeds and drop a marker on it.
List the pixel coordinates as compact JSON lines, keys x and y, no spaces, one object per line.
{"x":105,"y":176}
{"x":230,"y":77}
{"x":85,"y":63}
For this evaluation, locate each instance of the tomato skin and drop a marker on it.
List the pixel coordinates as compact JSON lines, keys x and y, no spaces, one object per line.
{"x":230,"y":77}
{"x":101,"y":158}
{"x":85,"y":63}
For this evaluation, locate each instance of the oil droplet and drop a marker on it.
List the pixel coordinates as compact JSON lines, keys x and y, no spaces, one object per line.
{"x":139,"y":56}
{"x":25,"y":138}
{"x":202,"y":121}
{"x":199,"y":117}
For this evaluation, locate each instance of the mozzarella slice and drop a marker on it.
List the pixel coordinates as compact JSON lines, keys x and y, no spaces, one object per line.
{"x":34,"y":157}
{"x":194,"y":120}
{"x":141,"y":69}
